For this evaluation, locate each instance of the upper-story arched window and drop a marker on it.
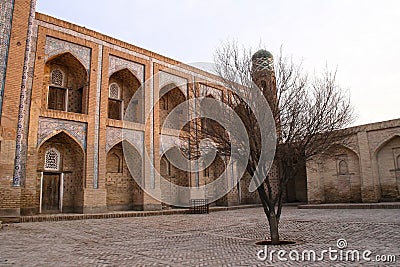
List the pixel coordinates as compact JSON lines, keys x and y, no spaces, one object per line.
{"x":52,"y":160}
{"x":124,"y":100}
{"x":67,"y":84}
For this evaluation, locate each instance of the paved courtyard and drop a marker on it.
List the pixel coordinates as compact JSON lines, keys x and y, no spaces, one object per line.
{"x":225,"y":238}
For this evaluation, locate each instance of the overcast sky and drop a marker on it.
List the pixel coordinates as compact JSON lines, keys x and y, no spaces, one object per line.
{"x":361,"y":38}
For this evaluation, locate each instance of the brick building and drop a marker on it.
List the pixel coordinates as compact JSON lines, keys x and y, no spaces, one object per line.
{"x":367,"y":169}
{"x":64,"y":92}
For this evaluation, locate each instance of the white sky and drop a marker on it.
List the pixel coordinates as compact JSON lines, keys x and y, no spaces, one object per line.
{"x":361,"y":38}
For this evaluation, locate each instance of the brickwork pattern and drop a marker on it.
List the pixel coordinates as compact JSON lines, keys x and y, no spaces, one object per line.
{"x":123,"y":192}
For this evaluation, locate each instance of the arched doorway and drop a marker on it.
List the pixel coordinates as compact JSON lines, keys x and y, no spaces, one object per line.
{"x":61,"y":168}
{"x":123,"y":192}
{"x":67,"y":84}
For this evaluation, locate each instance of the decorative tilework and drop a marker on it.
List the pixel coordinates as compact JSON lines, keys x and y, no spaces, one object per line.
{"x":97,"y":120}
{"x":20,"y":150}
{"x":151,"y":118}
{"x":166,"y":78}
{"x":127,"y":51}
{"x":167,"y":142}
{"x":117,"y":64}
{"x":56,"y":47}
{"x":208,"y":90}
{"x":6,"y":8}
{"x":49,"y":126}
{"x":116,"y":135}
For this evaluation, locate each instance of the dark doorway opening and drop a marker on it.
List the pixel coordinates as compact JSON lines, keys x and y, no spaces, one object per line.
{"x":51,"y":193}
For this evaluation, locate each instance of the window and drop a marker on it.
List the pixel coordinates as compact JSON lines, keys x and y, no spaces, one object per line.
{"x":52,"y":160}
{"x":343,"y":168}
{"x":57,"y":94}
{"x":57,"y":98}
{"x":114,"y":102}
{"x":114,"y":91}
{"x":57,"y":77}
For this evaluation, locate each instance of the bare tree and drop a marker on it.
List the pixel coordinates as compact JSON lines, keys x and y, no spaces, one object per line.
{"x":310,"y":115}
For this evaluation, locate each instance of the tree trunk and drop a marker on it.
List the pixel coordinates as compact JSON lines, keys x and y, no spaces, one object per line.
{"x":269,"y":210}
{"x":273,"y":228}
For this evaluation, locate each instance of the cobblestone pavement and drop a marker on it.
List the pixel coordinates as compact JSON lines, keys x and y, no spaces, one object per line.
{"x":225,"y":238}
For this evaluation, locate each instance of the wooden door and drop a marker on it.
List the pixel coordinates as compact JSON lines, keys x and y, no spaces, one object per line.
{"x":51,"y":193}
{"x":57,"y":98}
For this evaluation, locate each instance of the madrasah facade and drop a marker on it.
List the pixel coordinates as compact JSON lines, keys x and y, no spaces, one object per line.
{"x":64,"y":93}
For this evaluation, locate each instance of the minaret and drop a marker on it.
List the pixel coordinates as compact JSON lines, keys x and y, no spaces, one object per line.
{"x":263,"y":76}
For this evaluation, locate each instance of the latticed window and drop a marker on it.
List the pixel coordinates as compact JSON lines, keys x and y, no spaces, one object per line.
{"x":52,"y":160}
{"x":57,"y":77}
{"x":114,"y":91}
{"x":114,"y":102}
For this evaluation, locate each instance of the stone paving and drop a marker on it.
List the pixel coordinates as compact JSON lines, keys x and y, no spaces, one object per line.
{"x":225,"y":238}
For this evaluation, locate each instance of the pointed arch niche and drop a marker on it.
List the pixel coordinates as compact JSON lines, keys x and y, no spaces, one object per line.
{"x":387,"y":164}
{"x":123,"y":103}
{"x":123,"y":191}
{"x":61,"y":168}
{"x":67,"y":84}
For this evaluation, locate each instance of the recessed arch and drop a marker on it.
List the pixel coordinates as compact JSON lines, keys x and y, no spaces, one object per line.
{"x":170,"y":97}
{"x":128,"y":103}
{"x":342,"y":175}
{"x":383,"y":143}
{"x":60,"y":185}
{"x":123,"y":179}
{"x":67,"y":83}
{"x":385,"y":160}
